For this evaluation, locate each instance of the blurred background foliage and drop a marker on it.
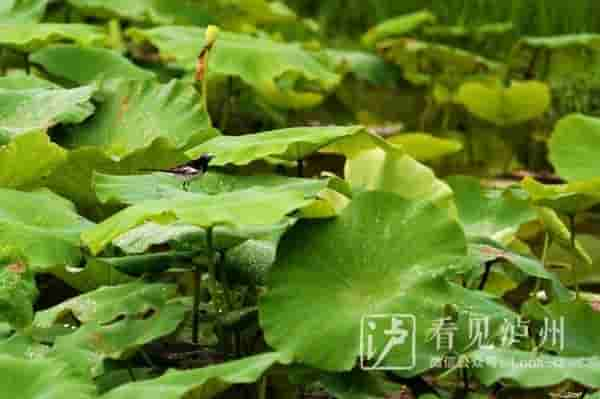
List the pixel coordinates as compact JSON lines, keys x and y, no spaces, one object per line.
{"x":531,"y":17}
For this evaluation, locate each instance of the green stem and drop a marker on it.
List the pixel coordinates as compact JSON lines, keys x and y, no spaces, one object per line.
{"x":115,"y":34}
{"x":486,"y":274}
{"x":547,"y":241}
{"x":225,"y":283}
{"x":197,"y":278}
{"x":196,"y":311}
{"x":205,"y":82}
{"x":300,"y":168}
{"x":68,"y":14}
{"x":147,"y":359}
{"x":210,"y":249}
{"x":262,"y":388}
{"x":27,"y":64}
{"x":574,"y":250}
{"x":130,"y":371}
{"x":3,"y":66}
{"x":446,"y":120}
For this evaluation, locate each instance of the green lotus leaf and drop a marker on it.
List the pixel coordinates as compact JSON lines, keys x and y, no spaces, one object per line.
{"x":133,"y":189}
{"x":578,"y":321}
{"x":489,"y":213}
{"x":138,"y":265}
{"x":179,"y":12}
{"x":569,"y":199}
{"x":23,"y":346}
{"x":469,"y":32}
{"x":494,"y":40}
{"x":560,"y":258}
{"x":425,"y":147}
{"x":291,"y":144}
{"x":107,"y":304}
{"x":218,"y":183}
{"x":18,"y":292}
{"x":559,"y":61}
{"x":561,"y":41}
{"x":24,"y":111}
{"x":73,"y":178}
{"x":393,"y":171}
{"x":22,"y":11}
{"x":42,"y":379}
{"x":252,"y":207}
{"x":574,"y":147}
{"x":400,"y":26}
{"x":138,"y":113}
{"x":142,"y":238}
{"x":365,"y":66}
{"x":533,"y":370}
{"x":148,"y":11}
{"x":285,"y":75}
{"x":425,"y":63}
{"x":251,"y":261}
{"x":29,"y":159}
{"x":485,"y":251}
{"x":203,"y":383}
{"x":20,"y":80}
{"x":92,"y":64}
{"x":41,"y":227}
{"x":505,"y":106}
{"x":90,"y":345}
{"x":30,"y":37}
{"x":94,"y":275}
{"x":383,"y":255}
{"x":560,"y":234}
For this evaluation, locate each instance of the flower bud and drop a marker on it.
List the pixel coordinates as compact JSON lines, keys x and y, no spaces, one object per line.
{"x":211,"y":35}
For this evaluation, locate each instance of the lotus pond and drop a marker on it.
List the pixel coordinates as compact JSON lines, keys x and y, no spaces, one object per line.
{"x":307,"y":199}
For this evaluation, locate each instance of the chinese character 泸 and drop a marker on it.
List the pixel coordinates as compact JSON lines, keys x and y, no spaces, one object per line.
{"x":513,"y":331}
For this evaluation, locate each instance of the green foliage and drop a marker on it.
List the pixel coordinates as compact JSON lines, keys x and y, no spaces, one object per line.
{"x":518,"y":103}
{"x":93,"y":64}
{"x":31,"y":37}
{"x":136,"y":114}
{"x":41,"y":228}
{"x":285,"y":74}
{"x":365,"y":260}
{"x":144,"y":253}
{"x":573,"y":147}
{"x":24,"y":111}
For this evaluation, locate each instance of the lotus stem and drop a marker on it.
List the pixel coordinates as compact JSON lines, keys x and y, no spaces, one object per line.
{"x":225,"y":283}
{"x":115,"y":35}
{"x":3,"y":66}
{"x":202,"y":66}
{"x":547,"y":242}
{"x":197,"y":278}
{"x":27,"y":64}
{"x":486,"y":274}
{"x":196,"y":311}
{"x":262,"y":388}
{"x":130,"y":371}
{"x":300,"y":168}
{"x":574,"y":249}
